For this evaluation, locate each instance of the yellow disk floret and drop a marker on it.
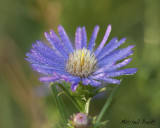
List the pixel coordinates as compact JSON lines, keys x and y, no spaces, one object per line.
{"x":81,"y":63}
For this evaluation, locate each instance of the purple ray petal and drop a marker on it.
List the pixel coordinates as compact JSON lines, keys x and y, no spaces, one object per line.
{"x":119,"y":55}
{"x":48,"y":51}
{"x":61,"y":68}
{"x":128,"y":71}
{"x":104,"y":40}
{"x":110,"y":80}
{"x":70,"y":78}
{"x":41,"y":58}
{"x":108,"y":46}
{"x":90,"y":81}
{"x":50,"y":55}
{"x":113,"y":66}
{"x":93,"y":38}
{"x":109,"y":57}
{"x":58,"y":42}
{"x":44,"y":70}
{"x":85,"y":81}
{"x":111,"y":47}
{"x":84,"y":37}
{"x":66,"y":41}
{"x":101,"y":70}
{"x":95,"y":83}
{"x":74,"y":86}
{"x":44,"y":59}
{"x":119,"y":65}
{"x":97,"y":76}
{"x":47,"y":70}
{"x":46,"y":48}
{"x":78,"y":38}
{"x":32,"y":59}
{"x":48,"y":79}
{"x":54,"y":40}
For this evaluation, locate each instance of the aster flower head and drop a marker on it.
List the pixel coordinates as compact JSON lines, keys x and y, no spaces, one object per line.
{"x":63,"y":62}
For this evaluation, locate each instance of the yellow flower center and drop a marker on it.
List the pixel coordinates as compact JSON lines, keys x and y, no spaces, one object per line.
{"x":81,"y":63}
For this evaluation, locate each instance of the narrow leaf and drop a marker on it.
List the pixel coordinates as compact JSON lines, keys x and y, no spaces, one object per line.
{"x":70,"y":97}
{"x":60,"y":104}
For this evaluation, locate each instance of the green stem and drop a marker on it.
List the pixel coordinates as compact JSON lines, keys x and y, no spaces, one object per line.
{"x":106,"y":105}
{"x":71,"y":97}
{"x":87,"y":106}
{"x":60,"y":104}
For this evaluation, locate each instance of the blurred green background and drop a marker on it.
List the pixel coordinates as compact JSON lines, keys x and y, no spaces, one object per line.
{"x":22,"y":22}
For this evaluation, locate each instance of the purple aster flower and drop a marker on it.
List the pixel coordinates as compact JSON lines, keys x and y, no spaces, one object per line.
{"x":62,"y":62}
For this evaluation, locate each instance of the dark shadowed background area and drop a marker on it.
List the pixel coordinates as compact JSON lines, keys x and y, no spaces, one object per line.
{"x":27,"y":103}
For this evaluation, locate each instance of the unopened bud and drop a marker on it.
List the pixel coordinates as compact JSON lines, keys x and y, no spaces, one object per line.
{"x":81,"y":120}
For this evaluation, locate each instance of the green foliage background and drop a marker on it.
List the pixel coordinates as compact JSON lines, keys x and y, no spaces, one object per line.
{"x":22,"y":22}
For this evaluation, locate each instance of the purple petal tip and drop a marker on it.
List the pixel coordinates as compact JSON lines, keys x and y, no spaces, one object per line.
{"x":74,"y":87}
{"x":46,"y":34}
{"x":134,"y":70}
{"x":60,"y":27}
{"x":124,"y":39}
{"x":109,"y":26}
{"x":33,"y":45}
{"x":132,"y":46}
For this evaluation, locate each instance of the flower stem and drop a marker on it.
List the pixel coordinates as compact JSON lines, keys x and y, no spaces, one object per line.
{"x":60,"y":104}
{"x":71,"y":97}
{"x":106,"y":105}
{"x":87,"y":106}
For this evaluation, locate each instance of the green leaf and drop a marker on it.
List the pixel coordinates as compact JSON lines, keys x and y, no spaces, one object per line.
{"x":60,"y":104}
{"x":70,"y":97}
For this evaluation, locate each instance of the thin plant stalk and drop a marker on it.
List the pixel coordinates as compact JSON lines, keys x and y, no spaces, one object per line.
{"x":106,"y":105}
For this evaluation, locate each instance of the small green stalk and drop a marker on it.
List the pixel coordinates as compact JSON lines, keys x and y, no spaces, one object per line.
{"x":105,"y":107}
{"x":87,"y":106}
{"x":60,"y":104}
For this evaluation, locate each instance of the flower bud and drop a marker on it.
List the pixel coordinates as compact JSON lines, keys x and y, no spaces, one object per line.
{"x":81,"y":120}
